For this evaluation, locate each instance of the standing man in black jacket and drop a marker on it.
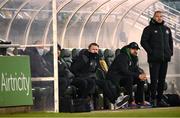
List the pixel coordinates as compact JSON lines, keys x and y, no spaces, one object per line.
{"x":158,"y":43}
{"x":125,"y":72}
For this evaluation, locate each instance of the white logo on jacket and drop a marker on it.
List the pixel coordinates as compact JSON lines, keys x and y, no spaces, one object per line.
{"x":155,"y":31}
{"x":167,"y":31}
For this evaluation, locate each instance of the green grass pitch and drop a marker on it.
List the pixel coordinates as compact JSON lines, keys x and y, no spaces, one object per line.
{"x":139,"y":113}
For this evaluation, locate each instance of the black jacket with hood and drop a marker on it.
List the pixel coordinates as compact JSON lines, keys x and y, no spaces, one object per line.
{"x":86,"y":64}
{"x":124,"y":65}
{"x":157,"y":42}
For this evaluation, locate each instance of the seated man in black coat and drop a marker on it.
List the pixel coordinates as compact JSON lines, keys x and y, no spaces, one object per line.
{"x":38,"y":64}
{"x":124,"y":71}
{"x":85,"y":68}
{"x":64,"y":74}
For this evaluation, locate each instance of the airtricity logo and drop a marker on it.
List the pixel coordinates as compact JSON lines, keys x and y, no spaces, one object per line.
{"x":15,"y":83}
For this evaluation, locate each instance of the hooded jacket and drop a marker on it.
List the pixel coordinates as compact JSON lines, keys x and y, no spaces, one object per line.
{"x":124,"y":65}
{"x":86,"y":64}
{"x":157,"y":42}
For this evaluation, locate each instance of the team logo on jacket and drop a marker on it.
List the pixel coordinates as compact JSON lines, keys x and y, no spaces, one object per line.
{"x":167,"y":31}
{"x":155,"y":31}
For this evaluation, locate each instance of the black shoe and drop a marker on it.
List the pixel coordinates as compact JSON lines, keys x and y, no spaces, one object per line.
{"x":162,"y":103}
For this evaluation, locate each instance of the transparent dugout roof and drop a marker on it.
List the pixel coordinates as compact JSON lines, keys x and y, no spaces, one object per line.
{"x":80,"y":22}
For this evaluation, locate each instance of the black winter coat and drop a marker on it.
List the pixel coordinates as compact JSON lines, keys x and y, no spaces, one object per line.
{"x":85,"y":64}
{"x":157,"y":42}
{"x":124,"y":65}
{"x":38,"y":64}
{"x":63,"y":70}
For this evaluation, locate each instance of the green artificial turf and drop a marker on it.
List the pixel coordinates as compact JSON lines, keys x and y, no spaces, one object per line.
{"x":156,"y":112}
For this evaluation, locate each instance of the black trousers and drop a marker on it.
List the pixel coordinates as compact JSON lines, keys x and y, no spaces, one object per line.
{"x":127,"y":83}
{"x":63,"y":84}
{"x":158,"y":73}
{"x":109,"y":90}
{"x":86,"y":86}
